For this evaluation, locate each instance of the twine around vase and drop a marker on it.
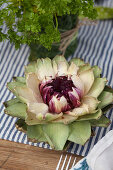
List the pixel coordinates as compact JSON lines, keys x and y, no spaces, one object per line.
{"x":67,"y":36}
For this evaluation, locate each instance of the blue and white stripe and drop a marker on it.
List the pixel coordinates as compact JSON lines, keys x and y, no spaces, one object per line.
{"x":95,"y":45}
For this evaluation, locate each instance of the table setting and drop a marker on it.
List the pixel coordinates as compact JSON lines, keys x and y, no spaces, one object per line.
{"x":91,"y":147}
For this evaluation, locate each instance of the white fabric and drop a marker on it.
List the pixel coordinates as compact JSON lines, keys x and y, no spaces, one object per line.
{"x":101,"y":156}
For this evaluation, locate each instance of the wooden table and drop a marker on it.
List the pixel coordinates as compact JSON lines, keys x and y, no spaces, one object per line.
{"x":16,"y":156}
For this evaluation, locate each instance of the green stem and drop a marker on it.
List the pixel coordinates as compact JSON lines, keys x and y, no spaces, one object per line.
{"x":56,"y":21}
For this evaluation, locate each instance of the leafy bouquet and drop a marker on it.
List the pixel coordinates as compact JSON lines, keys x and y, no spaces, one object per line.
{"x":49,"y":27}
{"x":38,"y":20}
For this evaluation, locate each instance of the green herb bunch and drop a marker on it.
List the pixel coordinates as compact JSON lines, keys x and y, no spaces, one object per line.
{"x":37,"y":20}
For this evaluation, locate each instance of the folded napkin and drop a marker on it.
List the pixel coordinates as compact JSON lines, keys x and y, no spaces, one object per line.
{"x":101,"y":156}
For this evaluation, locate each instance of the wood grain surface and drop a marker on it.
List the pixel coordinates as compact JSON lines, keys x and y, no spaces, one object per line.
{"x":16,"y":156}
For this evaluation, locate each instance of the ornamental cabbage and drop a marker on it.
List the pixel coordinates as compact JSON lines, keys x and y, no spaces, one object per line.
{"x":59,"y":101}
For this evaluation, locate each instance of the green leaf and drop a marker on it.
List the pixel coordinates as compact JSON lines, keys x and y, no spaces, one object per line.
{"x":96,"y":71}
{"x":40,"y":118}
{"x":102,"y":122}
{"x":106,"y":98}
{"x":87,"y":78}
{"x":60,"y":58}
{"x":96,"y":115}
{"x":80,"y":132}
{"x":83,"y":68}
{"x":44,"y":68}
{"x":56,"y":135}
{"x":77,"y":61}
{"x":110,"y":106}
{"x":65,"y":118}
{"x":11,"y":86}
{"x":36,"y":132}
{"x":17,"y":110}
{"x":14,"y":87}
{"x":97,"y":87}
{"x":19,"y":79}
{"x":10,"y":102}
{"x":30,"y":67}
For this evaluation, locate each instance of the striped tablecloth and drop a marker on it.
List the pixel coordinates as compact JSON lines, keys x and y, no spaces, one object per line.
{"x":95,"y":45}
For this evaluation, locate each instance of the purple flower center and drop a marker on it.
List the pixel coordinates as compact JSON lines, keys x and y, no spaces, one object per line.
{"x":58,"y":87}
